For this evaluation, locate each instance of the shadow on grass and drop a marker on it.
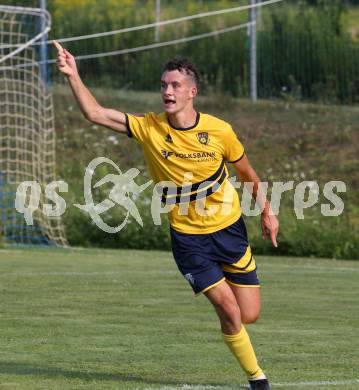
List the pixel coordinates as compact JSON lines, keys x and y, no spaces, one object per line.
{"x":46,"y":372}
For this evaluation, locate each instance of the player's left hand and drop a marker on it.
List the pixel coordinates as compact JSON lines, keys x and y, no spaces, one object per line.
{"x":270,"y":226}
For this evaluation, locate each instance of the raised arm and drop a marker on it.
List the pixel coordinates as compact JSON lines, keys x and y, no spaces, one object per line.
{"x":269,"y":221}
{"x":89,"y":106}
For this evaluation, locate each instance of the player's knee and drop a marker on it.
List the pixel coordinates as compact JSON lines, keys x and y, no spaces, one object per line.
{"x":249,"y":317}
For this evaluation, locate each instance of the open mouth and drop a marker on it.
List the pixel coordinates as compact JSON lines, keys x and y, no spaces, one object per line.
{"x":169,"y":102}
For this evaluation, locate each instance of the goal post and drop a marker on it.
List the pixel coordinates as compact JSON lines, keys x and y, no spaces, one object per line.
{"x":27,"y":132}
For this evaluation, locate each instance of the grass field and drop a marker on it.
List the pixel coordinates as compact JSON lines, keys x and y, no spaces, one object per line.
{"x":113,"y":319}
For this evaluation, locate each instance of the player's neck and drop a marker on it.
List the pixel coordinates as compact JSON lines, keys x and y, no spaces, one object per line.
{"x":183,"y":119}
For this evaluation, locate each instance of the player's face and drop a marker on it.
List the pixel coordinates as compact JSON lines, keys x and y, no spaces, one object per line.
{"x":177,"y":90}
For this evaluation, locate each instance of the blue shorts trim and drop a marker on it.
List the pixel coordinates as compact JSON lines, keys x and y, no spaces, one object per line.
{"x":243,"y":279}
{"x":205,"y":259}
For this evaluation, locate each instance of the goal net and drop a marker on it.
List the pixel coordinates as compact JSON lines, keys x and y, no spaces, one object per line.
{"x":27,"y":134}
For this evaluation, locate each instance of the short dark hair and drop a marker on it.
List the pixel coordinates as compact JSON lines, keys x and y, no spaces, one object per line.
{"x":183,"y":65}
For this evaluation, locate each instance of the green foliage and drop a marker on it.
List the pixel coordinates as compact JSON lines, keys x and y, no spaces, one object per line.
{"x":306,"y":53}
{"x":141,"y":70}
{"x":316,"y":236}
{"x":303,"y":51}
{"x":82,"y":231}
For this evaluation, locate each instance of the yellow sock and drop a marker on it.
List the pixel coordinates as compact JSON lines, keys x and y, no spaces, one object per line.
{"x":242,"y":349}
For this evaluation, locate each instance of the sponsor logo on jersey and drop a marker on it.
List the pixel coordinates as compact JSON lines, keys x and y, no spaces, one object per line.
{"x":203,"y":138}
{"x":195,"y":155}
{"x":166,"y":154}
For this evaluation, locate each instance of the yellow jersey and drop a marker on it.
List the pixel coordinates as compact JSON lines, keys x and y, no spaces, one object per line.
{"x":202,"y":200}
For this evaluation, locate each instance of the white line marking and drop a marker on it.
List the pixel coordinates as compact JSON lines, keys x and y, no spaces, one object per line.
{"x":274,"y":385}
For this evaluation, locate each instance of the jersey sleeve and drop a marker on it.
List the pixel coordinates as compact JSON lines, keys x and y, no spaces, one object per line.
{"x":233,"y":148}
{"x":137,"y":126}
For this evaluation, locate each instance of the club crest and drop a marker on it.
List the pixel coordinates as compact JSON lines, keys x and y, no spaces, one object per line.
{"x":203,"y":138}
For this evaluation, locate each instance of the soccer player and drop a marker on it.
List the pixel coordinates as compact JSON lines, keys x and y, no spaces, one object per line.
{"x":209,"y":238}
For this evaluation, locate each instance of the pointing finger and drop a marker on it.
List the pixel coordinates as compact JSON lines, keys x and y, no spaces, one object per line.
{"x":58,"y":46}
{"x":273,"y":236}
